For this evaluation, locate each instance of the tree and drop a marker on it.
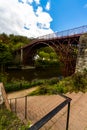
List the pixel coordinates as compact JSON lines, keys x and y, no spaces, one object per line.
{"x":53,"y":56}
{"x":5,"y":55}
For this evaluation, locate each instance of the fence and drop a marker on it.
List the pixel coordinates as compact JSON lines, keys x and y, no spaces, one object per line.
{"x":69,"y":32}
{"x":17,"y":104}
{"x":44,"y":112}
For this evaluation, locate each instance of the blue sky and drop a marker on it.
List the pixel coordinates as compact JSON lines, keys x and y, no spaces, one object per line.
{"x":68,"y":14}
{"x":33,"y":18}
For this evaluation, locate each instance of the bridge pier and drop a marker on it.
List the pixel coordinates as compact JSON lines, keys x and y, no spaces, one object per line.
{"x":81,"y":64}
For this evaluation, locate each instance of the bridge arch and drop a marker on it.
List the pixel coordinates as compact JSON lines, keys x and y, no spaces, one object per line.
{"x":31,"y":51}
{"x":60,"y":47}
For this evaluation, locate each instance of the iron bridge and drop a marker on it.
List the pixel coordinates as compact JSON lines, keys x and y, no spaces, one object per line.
{"x":64,"y":43}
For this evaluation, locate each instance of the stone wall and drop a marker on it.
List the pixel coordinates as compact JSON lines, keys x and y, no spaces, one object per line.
{"x":82,"y":54}
{"x":3,"y":97}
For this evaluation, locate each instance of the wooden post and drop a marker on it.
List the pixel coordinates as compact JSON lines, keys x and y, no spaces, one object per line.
{"x":25,"y":107}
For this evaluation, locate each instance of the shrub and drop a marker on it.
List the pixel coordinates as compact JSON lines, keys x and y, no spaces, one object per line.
{"x":79,"y":81}
{"x":16,"y":85}
{"x":76,"y":82}
{"x":53,"y":81}
{"x":47,"y":90}
{"x":9,"y":121}
{"x":3,"y":77}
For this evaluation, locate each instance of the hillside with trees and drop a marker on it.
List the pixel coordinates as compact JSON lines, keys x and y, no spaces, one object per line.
{"x":9,"y":43}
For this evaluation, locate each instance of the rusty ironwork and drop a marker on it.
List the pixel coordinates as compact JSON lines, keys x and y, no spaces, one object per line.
{"x":65,"y":48}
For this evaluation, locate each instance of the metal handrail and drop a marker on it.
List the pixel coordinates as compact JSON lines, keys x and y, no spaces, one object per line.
{"x":51,"y":114}
{"x":25,"y":110}
{"x":48,"y":116}
{"x":69,"y":32}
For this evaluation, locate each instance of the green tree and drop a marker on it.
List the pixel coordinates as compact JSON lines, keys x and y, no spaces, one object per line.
{"x":53,"y":56}
{"x":43,"y":54}
{"x":5,"y":55}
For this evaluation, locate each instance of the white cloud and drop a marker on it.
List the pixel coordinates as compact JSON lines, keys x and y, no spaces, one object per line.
{"x":43,"y":17}
{"x":29,"y":1}
{"x":19,"y":18}
{"x":37,"y":1}
{"x":85,"y":6}
{"x":48,"y":5}
{"x":39,"y":10}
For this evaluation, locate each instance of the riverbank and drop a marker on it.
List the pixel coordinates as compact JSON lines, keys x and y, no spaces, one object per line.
{"x":20,"y":67}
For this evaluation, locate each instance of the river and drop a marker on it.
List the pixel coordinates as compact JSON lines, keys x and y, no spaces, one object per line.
{"x":31,"y":74}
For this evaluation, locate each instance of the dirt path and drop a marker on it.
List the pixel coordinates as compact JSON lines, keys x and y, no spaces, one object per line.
{"x":21,"y":93}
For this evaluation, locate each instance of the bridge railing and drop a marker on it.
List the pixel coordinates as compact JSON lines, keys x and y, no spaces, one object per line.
{"x":74,"y":31}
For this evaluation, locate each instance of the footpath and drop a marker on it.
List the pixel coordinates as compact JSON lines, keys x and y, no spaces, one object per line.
{"x":78,"y":111}
{"x":21,"y":93}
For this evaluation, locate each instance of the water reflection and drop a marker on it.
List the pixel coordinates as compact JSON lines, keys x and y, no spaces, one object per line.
{"x":31,"y":74}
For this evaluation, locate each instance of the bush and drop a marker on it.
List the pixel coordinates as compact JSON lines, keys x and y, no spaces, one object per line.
{"x":53,"y":81}
{"x":37,"y":82}
{"x":46,"y":63}
{"x":76,"y":82}
{"x":9,"y":87}
{"x":16,"y":85}
{"x":79,"y":81}
{"x":48,"y":90}
{"x":3,"y":77}
{"x":9,"y":121}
